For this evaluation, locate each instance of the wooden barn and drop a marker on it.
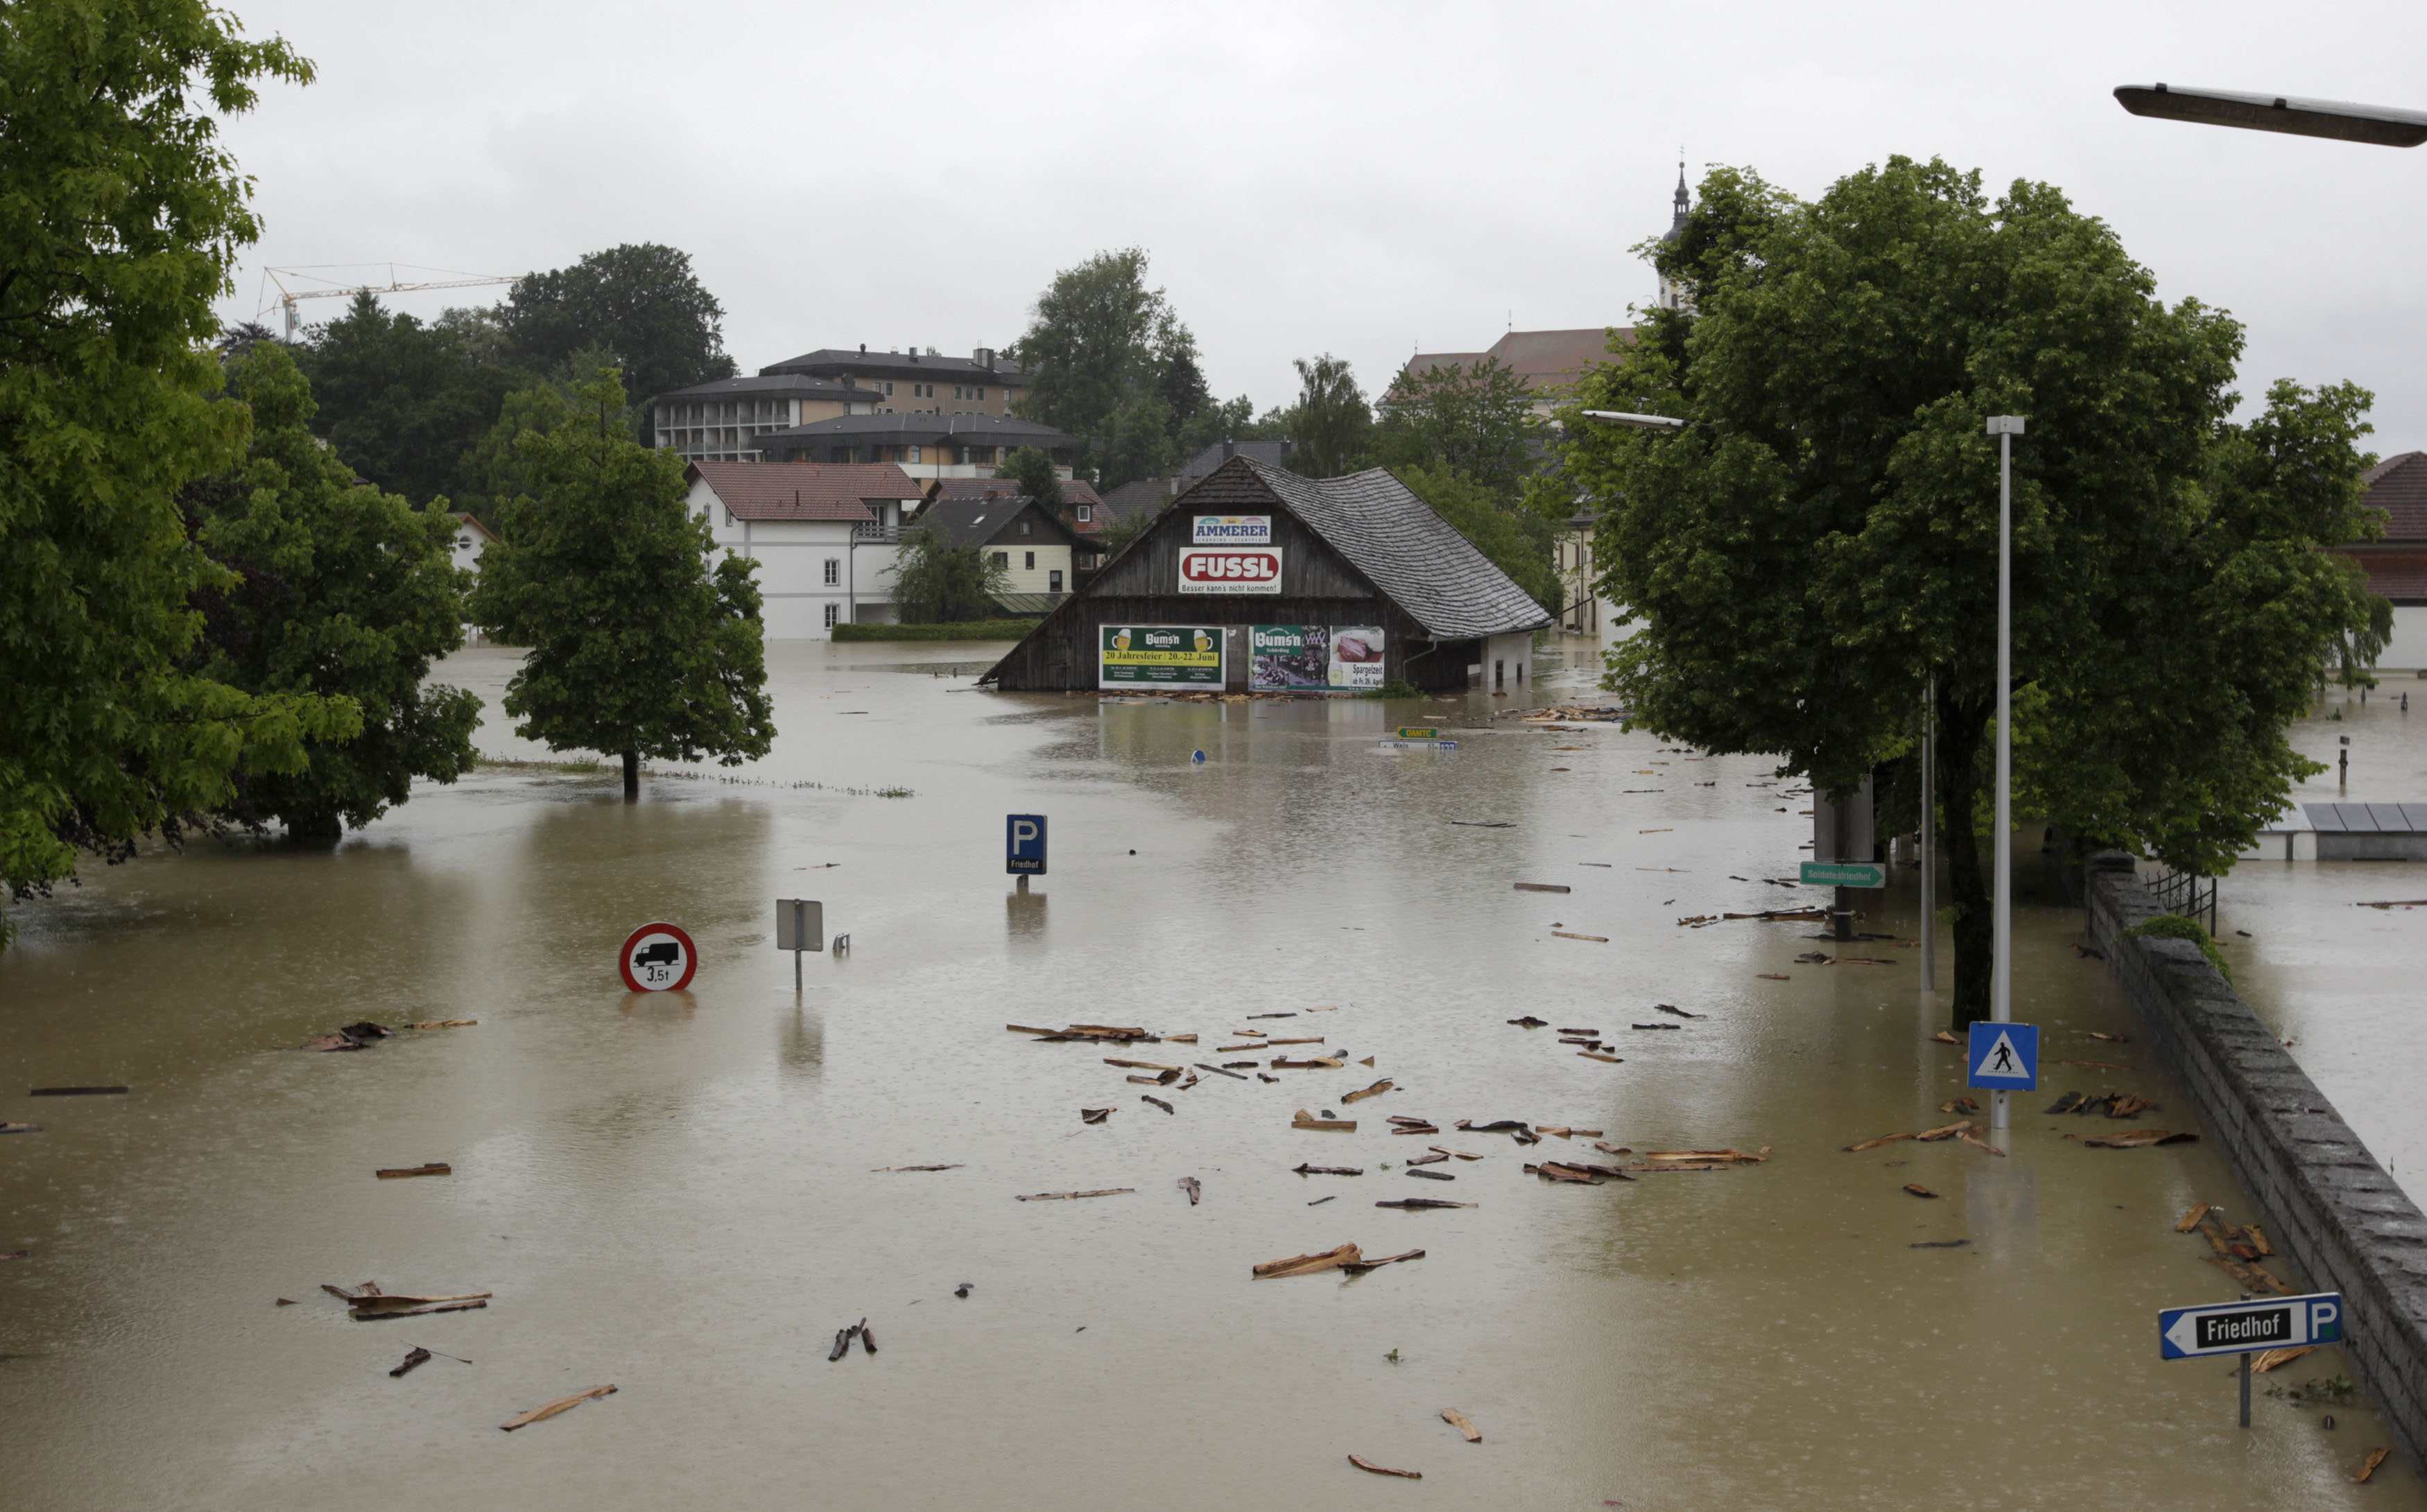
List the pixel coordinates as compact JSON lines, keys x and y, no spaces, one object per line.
{"x":1258,"y":580}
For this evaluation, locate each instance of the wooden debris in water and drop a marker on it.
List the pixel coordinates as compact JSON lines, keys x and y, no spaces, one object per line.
{"x":1567,"y":934}
{"x":75,"y":1092}
{"x":562,"y":1404}
{"x":1218,"y":1071}
{"x":1942,"y":1037}
{"x":1529,"y":1021}
{"x":1067,"y":1196}
{"x":1337,"y":1126}
{"x":1458,"y":1153}
{"x":1418,"y":1204}
{"x":1309,"y":1264}
{"x":1434,"y":1158}
{"x":1094,"y":1115}
{"x":389,"y":1173}
{"x":1558,"y":1171}
{"x":2395,"y":903}
{"x":1457,"y":1420}
{"x":413,"y":1357}
{"x":1874,"y":1143}
{"x":2137,"y":1139}
{"x":1980,"y":1143}
{"x":1362,"y":1093}
{"x":1371,"y":1469}
{"x":1141,"y":1066}
{"x":1931,"y":1136}
{"x":2191,"y":1216}
{"x":1292,"y":1014}
{"x":1179,"y":1039}
{"x":20,"y":1129}
{"x":446,"y":1023}
{"x":1360,"y":1267}
{"x":1720,"y":1157}
{"x":2274,"y":1357}
{"x":1282,"y":1063}
{"x":1157,"y":1101}
{"x":1566,"y":1133}
{"x":1938,"y":1244}
{"x":883,"y":1169}
{"x":1920,"y":1191}
{"x":1598,"y":1055}
{"x":2367,"y":1469}
{"x":1303,"y":1169}
{"x":1543,"y":886}
{"x":1431,"y":1176}
{"x":1193,"y":1187}
{"x":1959,"y":1105}
{"x":1320,"y":1201}
{"x":1773,"y":976}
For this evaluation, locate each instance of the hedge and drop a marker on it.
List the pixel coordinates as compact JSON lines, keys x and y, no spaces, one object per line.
{"x":967,"y":630}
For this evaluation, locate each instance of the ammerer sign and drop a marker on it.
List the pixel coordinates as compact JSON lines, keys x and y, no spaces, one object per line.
{"x":1231,"y":530}
{"x":1159,"y":656}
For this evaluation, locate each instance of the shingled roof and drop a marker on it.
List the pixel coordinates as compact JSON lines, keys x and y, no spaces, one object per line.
{"x":1408,"y":551}
{"x":803,"y":490}
{"x":2398,"y":485}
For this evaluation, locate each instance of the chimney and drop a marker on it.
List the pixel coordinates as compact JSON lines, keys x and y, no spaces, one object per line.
{"x":1230,"y":449}
{"x":985,"y":357}
{"x":863,"y":349}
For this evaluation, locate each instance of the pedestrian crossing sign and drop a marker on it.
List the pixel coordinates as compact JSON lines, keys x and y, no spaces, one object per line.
{"x":2005,"y":1057}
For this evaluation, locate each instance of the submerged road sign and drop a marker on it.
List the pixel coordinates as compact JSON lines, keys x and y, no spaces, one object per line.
{"x":1845,"y":874}
{"x":2005,"y":1057}
{"x":1023,"y":844}
{"x":2241,"y":1327}
{"x":658,"y":958}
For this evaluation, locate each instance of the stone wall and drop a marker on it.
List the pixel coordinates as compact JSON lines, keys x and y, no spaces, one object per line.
{"x":2329,"y":1208}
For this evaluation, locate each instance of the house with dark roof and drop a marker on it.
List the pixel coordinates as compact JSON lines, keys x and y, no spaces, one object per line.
{"x":1549,"y":362}
{"x":1038,"y":553}
{"x":923,"y":446}
{"x":914,"y":382}
{"x":825,"y":536}
{"x":1083,"y":509}
{"x":1258,"y":579}
{"x":2396,"y":562}
{"x":722,"y":421}
{"x":1146,"y":495}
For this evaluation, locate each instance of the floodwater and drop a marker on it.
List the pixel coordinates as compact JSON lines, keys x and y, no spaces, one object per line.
{"x":2338,"y":981}
{"x":678,"y":1194}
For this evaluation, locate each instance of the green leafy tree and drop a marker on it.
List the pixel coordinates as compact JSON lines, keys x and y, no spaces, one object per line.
{"x":401,"y":401}
{"x":1518,"y":542}
{"x":1230,"y":420}
{"x":640,"y":302}
{"x":1116,"y":536}
{"x":341,"y":590}
{"x":1331,"y":422}
{"x":120,"y":215}
{"x":1110,"y":362}
{"x":1822,"y":540}
{"x":644,"y":640}
{"x":1478,"y":422}
{"x":936,"y":582}
{"x":1039,"y":481}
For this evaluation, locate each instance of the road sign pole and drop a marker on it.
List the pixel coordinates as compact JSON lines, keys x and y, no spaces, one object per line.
{"x":2002,"y":980}
{"x":799,"y":932}
{"x":1928,"y":838}
{"x":2245,"y":1388}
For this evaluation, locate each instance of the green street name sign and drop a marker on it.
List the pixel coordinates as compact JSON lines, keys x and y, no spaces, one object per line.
{"x":1419,"y":732}
{"x":1845,"y":874}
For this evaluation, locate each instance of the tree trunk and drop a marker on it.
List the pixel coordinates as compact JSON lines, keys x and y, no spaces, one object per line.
{"x":631,"y":776}
{"x":1958,"y":753}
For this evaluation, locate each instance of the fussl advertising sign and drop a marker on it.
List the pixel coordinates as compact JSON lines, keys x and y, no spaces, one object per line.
{"x":1230,"y":570}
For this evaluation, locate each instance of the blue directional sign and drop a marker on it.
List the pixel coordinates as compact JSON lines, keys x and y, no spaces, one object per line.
{"x":2005,"y":1057}
{"x":1023,"y":844}
{"x":2242,"y":1327}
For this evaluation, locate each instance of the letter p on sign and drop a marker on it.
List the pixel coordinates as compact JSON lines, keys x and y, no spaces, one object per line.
{"x":1023,"y":844}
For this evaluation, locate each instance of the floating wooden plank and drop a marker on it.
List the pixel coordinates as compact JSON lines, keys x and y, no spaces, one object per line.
{"x":2137,"y":1139}
{"x":1333,"y":1125}
{"x":1431,"y":1176}
{"x":1672,"y":1008}
{"x":1569,"y":934}
{"x":1141,"y":1066}
{"x":883,"y":1169}
{"x":1066,"y":1197}
{"x":1942,"y":1037}
{"x":446,"y":1023}
{"x":416,"y":1355}
{"x":1162,"y":1080}
{"x":1158,"y":1102}
{"x":373,"y":1310}
{"x":75,"y":1092}
{"x":1282,"y":1063}
{"x":2258,"y":1240}
{"x":2367,"y":1469}
{"x":1958,"y":1105}
{"x":1303,"y":1169}
{"x":2189,"y":1220}
{"x":1597,"y":1055}
{"x":1362,"y":1093}
{"x":1371,"y":1469}
{"x":1434,"y":1158}
{"x":1981,"y":1145}
{"x":1874,"y":1143}
{"x":562,"y":1404}
{"x":1543,"y":886}
{"x":390,"y":1172}
{"x":1094,"y":1115}
{"x":1292,"y":1014}
{"x":2274,"y":1357}
{"x":1195,"y":1189}
{"x":1673,"y":1166}
{"x":1457,"y":1420}
{"x":1326,"y":1259}
{"x":1568,"y":1133}
{"x":1179,"y":1039}
{"x":1558,"y":1171}
{"x":1773,"y":976}
{"x":1218,"y":1071}
{"x":1920,"y":1191}
{"x":1361,"y":1266}
{"x":1416,"y":1129}
{"x":1459,"y":1153}
{"x":1419,"y":1204}
{"x":1931,"y":1136}
{"x":20,"y":1129}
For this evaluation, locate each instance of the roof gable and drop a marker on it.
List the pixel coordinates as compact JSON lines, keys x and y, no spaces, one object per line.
{"x":982,"y":520}
{"x":2398,"y":485}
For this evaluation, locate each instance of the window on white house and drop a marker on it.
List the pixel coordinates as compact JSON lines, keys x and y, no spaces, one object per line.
{"x":1023,"y":528}
{"x":1032,"y":560}
{"x":833,"y":612}
{"x":888,"y":388}
{"x":1002,"y":560}
{"x":981,"y":391}
{"x":834,"y":571}
{"x":1086,"y":513}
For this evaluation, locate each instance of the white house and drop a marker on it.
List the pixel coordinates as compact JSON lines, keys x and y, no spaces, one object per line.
{"x":471,"y":538}
{"x":825,"y":535}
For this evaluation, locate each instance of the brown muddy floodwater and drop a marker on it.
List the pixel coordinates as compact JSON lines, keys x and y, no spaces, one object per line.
{"x":678,"y":1195}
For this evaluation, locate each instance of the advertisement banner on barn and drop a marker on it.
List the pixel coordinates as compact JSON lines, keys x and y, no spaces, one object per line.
{"x":1230,"y":570}
{"x":1159,"y":656}
{"x":1232,"y":530}
{"x":1313,"y":658}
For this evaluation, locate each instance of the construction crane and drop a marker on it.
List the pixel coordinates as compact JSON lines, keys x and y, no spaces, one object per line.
{"x":287,"y":296}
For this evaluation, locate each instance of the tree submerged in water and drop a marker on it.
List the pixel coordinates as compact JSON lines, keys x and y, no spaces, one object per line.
{"x":644,"y":640}
{"x":1821,"y":541}
{"x":936,"y":582}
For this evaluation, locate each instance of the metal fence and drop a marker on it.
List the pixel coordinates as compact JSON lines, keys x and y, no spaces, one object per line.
{"x":2186,"y":893}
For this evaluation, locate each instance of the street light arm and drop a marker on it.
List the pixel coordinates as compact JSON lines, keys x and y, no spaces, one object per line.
{"x":1639,"y":422}
{"x":2374,"y":124}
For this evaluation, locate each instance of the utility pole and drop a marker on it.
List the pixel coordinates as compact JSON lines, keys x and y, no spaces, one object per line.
{"x":1930,"y":836}
{"x":2001,"y":981}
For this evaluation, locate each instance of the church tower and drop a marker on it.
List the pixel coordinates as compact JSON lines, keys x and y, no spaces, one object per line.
{"x":1673,"y":295}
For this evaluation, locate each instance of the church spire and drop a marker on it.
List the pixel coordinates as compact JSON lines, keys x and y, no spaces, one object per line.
{"x":1683,"y":200}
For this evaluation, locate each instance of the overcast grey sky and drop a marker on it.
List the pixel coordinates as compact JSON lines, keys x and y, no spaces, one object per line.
{"x":1309,"y":177}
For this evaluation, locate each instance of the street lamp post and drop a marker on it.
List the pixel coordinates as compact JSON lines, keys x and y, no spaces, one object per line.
{"x":2336,"y":120}
{"x":2001,"y":981}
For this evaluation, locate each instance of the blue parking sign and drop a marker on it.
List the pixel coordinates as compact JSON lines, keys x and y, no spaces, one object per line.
{"x":1023,"y":844}
{"x":2004,"y":1057}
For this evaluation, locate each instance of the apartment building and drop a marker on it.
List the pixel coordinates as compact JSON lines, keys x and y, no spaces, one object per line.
{"x":722,"y":421}
{"x":923,"y":446}
{"x":913,"y":382}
